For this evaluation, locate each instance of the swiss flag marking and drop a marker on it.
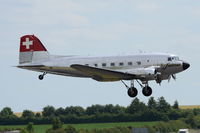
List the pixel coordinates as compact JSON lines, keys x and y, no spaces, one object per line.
{"x":30,"y":43}
{"x":27,"y":43}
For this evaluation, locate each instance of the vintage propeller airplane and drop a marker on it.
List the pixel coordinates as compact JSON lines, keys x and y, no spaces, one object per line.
{"x":141,"y":67}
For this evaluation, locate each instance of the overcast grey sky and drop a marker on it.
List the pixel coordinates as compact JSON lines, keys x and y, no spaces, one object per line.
{"x":96,"y":27}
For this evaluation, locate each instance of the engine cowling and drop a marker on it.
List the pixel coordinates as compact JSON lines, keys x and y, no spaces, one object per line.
{"x":144,"y":71}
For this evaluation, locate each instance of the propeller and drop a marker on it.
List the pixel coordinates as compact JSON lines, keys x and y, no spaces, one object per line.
{"x":172,"y":76}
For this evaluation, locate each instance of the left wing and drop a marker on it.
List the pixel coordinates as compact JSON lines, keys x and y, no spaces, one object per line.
{"x":101,"y":74}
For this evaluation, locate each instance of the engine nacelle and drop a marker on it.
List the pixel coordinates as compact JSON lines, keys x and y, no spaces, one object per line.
{"x":144,"y":71}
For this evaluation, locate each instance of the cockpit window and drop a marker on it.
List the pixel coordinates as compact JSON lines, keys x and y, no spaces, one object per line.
{"x":173,"y":58}
{"x":169,"y":59}
{"x":177,"y":58}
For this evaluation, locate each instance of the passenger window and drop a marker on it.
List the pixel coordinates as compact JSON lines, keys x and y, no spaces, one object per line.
{"x":104,"y":64}
{"x":86,"y":64}
{"x":130,"y":63}
{"x":139,"y":62}
{"x":121,"y":63}
{"x":112,"y":64}
{"x":95,"y":65}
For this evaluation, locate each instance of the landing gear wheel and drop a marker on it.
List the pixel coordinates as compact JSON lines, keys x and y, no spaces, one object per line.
{"x":147,"y":91}
{"x":41,"y":77}
{"x":132,"y":92}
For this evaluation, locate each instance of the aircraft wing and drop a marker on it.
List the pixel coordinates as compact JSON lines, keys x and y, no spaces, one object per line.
{"x":100,"y":74}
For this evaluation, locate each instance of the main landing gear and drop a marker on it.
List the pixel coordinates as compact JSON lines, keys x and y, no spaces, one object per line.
{"x":132,"y":91}
{"x":41,"y":77}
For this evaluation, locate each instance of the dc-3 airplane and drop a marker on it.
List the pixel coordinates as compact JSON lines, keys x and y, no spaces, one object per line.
{"x":142,"y":67}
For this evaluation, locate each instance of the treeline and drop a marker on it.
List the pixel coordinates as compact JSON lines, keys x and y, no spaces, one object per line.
{"x":154,"y":110}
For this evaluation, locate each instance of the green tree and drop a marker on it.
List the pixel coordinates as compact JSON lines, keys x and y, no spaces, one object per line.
{"x":28,"y":114}
{"x":163,"y":105}
{"x":190,"y":120}
{"x":48,"y":111}
{"x":38,"y":115}
{"x":29,"y":127}
{"x":7,"y":111}
{"x":56,"y":123}
{"x":152,"y":104}
{"x":60,"y":111}
{"x":196,"y":111}
{"x":77,"y":110}
{"x":23,"y":131}
{"x":176,"y":105}
{"x":109,"y":108}
{"x":174,"y":114}
{"x":70,"y":129}
{"x":119,"y":109}
{"x":136,"y":107}
{"x":197,"y":120}
{"x":95,"y":109}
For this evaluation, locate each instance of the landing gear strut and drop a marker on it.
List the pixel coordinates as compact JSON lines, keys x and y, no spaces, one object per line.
{"x":41,"y":77}
{"x":132,"y":91}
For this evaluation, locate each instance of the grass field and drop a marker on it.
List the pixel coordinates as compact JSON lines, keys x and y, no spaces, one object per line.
{"x":189,"y":107}
{"x":43,"y":128}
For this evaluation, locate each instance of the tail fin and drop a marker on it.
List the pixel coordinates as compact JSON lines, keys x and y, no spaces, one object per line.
{"x":31,"y":49}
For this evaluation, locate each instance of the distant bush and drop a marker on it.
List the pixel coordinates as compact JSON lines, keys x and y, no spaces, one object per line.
{"x":23,"y":131}
{"x":165,"y":127}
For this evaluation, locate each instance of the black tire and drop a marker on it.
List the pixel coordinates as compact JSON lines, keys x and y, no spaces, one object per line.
{"x":132,"y":92}
{"x":147,"y":91}
{"x":41,"y":77}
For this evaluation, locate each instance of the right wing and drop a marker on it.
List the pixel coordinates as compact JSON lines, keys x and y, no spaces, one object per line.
{"x":101,"y":74}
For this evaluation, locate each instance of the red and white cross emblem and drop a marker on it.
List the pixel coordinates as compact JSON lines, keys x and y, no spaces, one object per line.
{"x":27,"y":43}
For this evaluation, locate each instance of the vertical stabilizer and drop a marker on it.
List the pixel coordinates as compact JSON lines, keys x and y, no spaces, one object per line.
{"x":32,"y":50}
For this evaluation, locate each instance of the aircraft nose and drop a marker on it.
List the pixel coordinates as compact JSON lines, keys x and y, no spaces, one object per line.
{"x":185,"y":65}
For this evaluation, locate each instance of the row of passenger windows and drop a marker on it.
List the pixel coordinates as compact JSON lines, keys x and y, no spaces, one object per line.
{"x":114,"y":64}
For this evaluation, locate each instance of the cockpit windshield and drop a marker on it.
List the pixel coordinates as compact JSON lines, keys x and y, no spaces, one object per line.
{"x":174,"y":58}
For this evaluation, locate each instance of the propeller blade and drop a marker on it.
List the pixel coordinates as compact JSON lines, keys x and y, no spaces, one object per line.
{"x":169,"y":78}
{"x":174,"y":76}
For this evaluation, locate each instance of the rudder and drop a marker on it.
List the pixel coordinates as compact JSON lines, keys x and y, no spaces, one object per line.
{"x":31,"y":50}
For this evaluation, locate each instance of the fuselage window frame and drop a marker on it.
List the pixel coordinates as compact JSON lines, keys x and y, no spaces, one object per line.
{"x":130,"y":63}
{"x":139,"y":62}
{"x":121,"y":64}
{"x":103,"y":64}
{"x":112,"y":64}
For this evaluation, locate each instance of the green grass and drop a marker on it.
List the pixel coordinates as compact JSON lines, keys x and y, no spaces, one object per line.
{"x":43,"y":128}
